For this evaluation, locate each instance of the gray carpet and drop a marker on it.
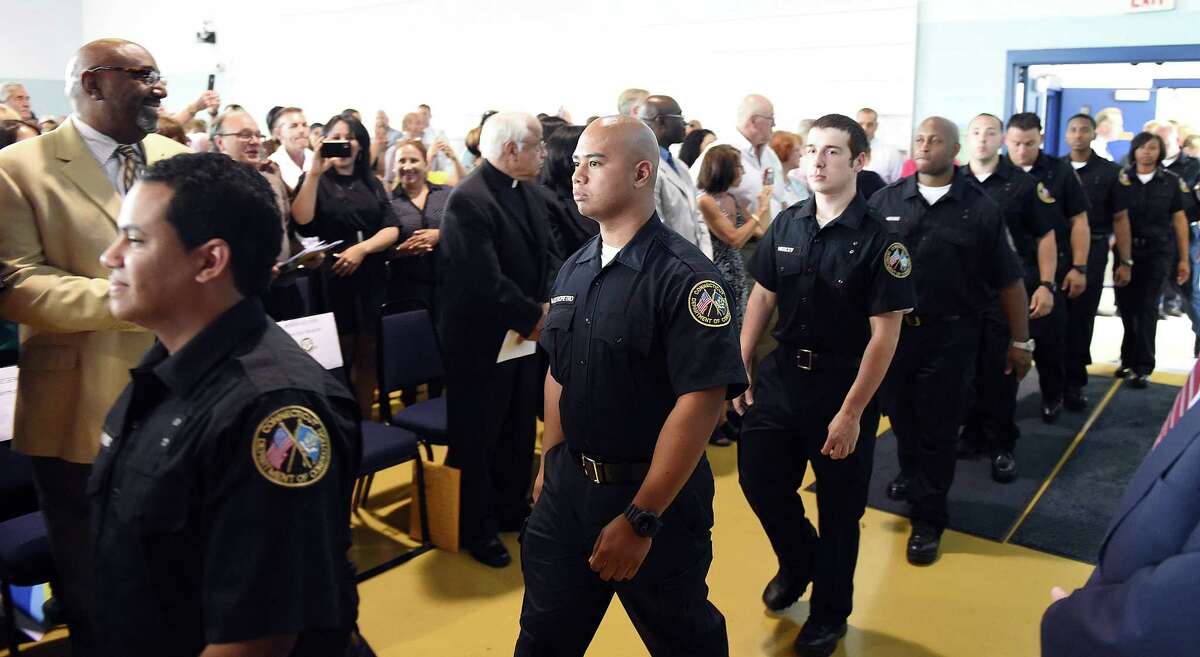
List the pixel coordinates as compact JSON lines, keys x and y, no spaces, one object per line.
{"x":1072,"y":516}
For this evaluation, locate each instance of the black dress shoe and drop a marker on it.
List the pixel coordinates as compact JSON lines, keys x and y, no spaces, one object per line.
{"x":1139,"y":381}
{"x":781,"y":592}
{"x":1074,"y":400}
{"x":923,"y":545}
{"x":899,"y":489}
{"x":1122,"y":373}
{"x":491,"y":552}
{"x":1051,"y":411}
{"x":819,"y":639}
{"x":1004,"y":467}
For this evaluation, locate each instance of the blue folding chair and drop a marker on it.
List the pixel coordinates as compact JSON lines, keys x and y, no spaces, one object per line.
{"x":409,"y":355}
{"x":25,"y":560}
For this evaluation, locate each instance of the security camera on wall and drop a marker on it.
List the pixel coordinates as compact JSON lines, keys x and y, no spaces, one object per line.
{"x":206,"y":34}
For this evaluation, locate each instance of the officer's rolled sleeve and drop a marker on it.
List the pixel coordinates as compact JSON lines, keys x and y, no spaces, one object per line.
{"x":1118,"y":196}
{"x":1002,"y":267}
{"x":1177,"y":193}
{"x":890,"y":291}
{"x":274,"y":559}
{"x":1038,"y":218}
{"x":762,"y":264}
{"x":700,"y":357}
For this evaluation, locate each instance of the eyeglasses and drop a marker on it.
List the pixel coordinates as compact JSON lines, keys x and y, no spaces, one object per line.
{"x":668,"y":117}
{"x":244,"y":135}
{"x":144,"y":75}
{"x":769,"y":119}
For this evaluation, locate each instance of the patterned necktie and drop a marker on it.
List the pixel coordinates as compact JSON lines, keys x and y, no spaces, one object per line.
{"x":130,"y":165}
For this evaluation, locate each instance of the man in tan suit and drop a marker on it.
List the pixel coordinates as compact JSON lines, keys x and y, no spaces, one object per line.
{"x":60,"y":194}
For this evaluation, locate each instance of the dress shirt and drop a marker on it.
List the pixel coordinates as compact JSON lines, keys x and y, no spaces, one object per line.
{"x":104,"y":149}
{"x":885,"y":161}
{"x":287,"y":167}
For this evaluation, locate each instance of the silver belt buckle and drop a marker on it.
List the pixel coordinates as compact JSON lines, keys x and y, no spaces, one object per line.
{"x":590,"y":469}
{"x":801,"y":361}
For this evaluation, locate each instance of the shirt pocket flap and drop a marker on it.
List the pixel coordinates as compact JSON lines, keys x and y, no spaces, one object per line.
{"x":620,"y":332}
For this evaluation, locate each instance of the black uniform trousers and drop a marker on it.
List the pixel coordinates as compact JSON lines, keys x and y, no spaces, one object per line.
{"x":1138,"y":303}
{"x":492,"y":421}
{"x":991,"y":422}
{"x":782,"y":434}
{"x":668,"y":598}
{"x":1081,"y":316}
{"x":1050,"y":341}
{"x":925,"y":396}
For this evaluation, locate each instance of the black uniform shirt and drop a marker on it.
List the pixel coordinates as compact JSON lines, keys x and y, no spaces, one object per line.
{"x":831,"y":280}
{"x":1060,"y":186}
{"x":423,"y":268}
{"x":961,"y":250}
{"x":1188,"y":168}
{"x":627,"y":340}
{"x":1027,"y":214}
{"x":1107,"y":191}
{"x":1152,"y":205}
{"x":221,"y":495}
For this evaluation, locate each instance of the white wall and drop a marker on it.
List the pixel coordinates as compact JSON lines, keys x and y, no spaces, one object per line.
{"x":810,"y":57}
{"x":39,"y":38}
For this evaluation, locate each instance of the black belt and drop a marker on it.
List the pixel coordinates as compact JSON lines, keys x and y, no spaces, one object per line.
{"x":1096,"y":237}
{"x":610,"y":473}
{"x":921,"y":320}
{"x":807,"y":359}
{"x":1150,"y":241}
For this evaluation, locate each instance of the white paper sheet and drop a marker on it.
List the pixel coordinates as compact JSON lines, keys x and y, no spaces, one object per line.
{"x":8,"y":401}
{"x":318,"y":336}
{"x":514,"y":347}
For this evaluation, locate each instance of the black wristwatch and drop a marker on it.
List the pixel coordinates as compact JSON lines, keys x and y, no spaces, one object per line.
{"x":1049,"y":285}
{"x":644,"y":523}
{"x":1080,"y":268}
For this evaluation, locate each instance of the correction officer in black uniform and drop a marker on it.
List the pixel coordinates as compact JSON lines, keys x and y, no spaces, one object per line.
{"x":1060,"y":187}
{"x":643,"y":356}
{"x":841,"y":283}
{"x":221,"y":492}
{"x":961,"y":253}
{"x":1158,"y":205}
{"x":990,"y":427}
{"x":1107,"y":189}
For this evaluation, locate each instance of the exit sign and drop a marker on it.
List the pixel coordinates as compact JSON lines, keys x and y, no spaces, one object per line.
{"x":1138,"y":6}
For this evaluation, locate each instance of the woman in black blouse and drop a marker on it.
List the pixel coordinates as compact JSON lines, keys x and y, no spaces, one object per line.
{"x":418,"y":204}
{"x":340,"y":199}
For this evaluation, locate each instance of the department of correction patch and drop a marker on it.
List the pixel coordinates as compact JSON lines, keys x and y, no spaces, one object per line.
{"x":897,"y":261}
{"x":1044,"y":194}
{"x":291,"y":447}
{"x":1183,"y":186}
{"x":1123,"y":177}
{"x":708,"y":304}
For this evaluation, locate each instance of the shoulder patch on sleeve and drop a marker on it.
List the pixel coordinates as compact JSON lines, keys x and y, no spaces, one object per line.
{"x":708,"y":304}
{"x":291,"y":447}
{"x":1123,"y":178}
{"x":897,"y":261}
{"x":1183,"y":186}
{"x":1044,"y":194}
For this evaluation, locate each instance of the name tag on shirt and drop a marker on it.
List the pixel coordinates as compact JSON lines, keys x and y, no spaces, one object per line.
{"x":566,"y":298}
{"x":893,"y":218}
{"x":785,"y":249}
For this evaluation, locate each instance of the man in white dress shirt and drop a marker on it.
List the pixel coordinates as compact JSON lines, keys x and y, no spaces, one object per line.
{"x":293,"y":156}
{"x":674,"y":191}
{"x":755,"y":120}
{"x":886,"y":160}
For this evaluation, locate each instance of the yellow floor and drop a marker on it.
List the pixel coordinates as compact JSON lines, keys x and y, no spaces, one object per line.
{"x":981,"y":599}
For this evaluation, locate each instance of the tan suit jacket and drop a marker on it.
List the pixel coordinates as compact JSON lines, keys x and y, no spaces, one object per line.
{"x":58,"y":213}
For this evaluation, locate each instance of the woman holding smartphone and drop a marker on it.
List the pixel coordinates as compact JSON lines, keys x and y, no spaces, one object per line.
{"x":339,"y":198}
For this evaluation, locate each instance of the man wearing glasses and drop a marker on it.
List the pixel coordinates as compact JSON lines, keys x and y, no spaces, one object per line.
{"x":67,"y":187}
{"x":760,"y":165}
{"x":674,"y":191}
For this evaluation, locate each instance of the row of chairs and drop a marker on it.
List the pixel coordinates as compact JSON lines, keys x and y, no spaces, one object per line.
{"x":409,"y":355}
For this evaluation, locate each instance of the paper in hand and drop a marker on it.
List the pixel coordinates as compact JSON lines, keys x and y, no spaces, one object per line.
{"x":514,"y":346}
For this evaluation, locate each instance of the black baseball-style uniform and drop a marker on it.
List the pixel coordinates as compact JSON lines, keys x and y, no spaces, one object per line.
{"x":962,"y":254}
{"x":990,"y":424}
{"x":1107,"y":190}
{"x":1151,"y":207}
{"x":829,"y":282}
{"x":221,"y":497}
{"x":1059,"y":186}
{"x":626,"y":340}
{"x":495,"y":242}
